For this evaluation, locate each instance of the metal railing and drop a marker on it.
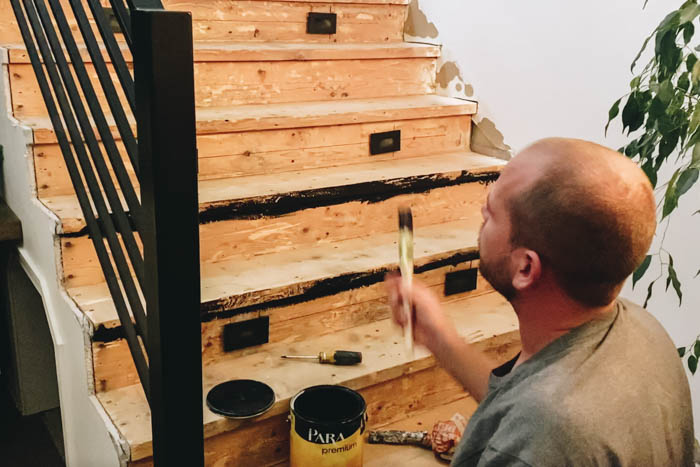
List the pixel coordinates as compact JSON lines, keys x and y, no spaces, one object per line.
{"x":156,"y":293}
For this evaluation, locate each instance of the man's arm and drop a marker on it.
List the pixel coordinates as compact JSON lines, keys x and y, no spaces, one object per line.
{"x":433,"y":329}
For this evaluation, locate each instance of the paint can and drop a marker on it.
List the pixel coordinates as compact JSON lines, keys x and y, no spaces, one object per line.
{"x":328,"y":423}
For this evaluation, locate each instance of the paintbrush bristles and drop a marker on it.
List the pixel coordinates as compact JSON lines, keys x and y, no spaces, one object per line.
{"x":405,"y":218}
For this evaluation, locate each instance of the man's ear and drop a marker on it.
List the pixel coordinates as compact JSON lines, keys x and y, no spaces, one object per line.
{"x":527,"y":268}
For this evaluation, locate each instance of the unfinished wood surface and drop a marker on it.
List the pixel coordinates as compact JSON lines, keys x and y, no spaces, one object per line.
{"x":243,"y":83}
{"x":240,"y":240}
{"x":9,"y":31}
{"x":249,"y":153}
{"x":220,"y":120}
{"x":379,"y":455}
{"x":27,"y":100}
{"x":113,"y":365}
{"x":489,"y":321}
{"x":303,"y":275}
{"x":220,"y":198}
{"x":286,"y":21}
{"x":52,"y":177}
{"x":218,"y":51}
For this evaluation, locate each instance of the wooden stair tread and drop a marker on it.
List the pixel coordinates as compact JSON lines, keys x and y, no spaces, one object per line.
{"x":220,"y":51}
{"x":383,"y":455}
{"x":221,"y":194}
{"x":485,"y":319}
{"x":215,"y":191}
{"x":261,"y":279}
{"x":231,"y":119}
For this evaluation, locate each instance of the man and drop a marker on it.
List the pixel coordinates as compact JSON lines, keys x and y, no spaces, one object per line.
{"x":598,"y":381}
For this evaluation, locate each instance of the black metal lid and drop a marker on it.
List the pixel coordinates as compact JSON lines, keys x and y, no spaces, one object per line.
{"x":240,"y":398}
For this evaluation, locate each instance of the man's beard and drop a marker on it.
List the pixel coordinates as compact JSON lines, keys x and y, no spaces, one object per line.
{"x":496,"y":272}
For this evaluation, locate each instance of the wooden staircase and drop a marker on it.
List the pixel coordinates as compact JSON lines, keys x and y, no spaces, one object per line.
{"x":298,"y":219}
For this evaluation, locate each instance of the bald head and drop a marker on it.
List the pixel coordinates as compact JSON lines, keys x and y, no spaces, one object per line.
{"x":588,"y":212}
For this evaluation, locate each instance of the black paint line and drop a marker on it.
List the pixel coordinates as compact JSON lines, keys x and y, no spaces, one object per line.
{"x":368,"y":192}
{"x":103,"y":334}
{"x":220,"y":309}
{"x":216,"y":309}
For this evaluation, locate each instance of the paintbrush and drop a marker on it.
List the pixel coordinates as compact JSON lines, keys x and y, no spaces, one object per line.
{"x":406,"y":267}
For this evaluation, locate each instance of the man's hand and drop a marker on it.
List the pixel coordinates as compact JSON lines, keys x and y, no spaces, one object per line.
{"x":434,"y":330}
{"x":430,"y":325}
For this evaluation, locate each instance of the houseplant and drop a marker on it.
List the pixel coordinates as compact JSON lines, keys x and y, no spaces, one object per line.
{"x":661,"y":116}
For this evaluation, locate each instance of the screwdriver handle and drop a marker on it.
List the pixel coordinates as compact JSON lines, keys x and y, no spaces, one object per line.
{"x":340,"y":357}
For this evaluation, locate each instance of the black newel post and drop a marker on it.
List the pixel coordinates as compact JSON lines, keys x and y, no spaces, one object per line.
{"x":164,"y":78}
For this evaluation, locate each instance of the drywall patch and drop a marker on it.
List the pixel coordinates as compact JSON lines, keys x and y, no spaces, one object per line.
{"x":488,"y":140}
{"x":417,"y":24}
{"x":449,"y":72}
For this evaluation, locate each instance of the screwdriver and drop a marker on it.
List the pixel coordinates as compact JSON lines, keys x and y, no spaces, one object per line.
{"x":339,"y":357}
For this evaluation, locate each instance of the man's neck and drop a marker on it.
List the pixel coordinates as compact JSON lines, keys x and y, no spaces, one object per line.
{"x":544,"y":320}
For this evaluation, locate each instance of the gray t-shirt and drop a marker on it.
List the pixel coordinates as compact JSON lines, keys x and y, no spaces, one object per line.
{"x":611,"y":392}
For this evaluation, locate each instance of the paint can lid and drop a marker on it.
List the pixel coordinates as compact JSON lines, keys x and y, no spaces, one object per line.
{"x":240,"y":398}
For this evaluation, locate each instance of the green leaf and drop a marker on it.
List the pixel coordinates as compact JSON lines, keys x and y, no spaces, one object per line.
{"x":683,"y":82}
{"x":649,"y":291}
{"x":697,"y":273}
{"x":633,"y":113}
{"x":694,"y":119}
{"x":665,"y":93}
{"x":696,"y":72}
{"x":696,"y":348}
{"x":689,"y":12}
{"x":690,"y":62}
{"x":667,"y":52}
{"x":668,"y":144}
{"x":692,"y":363}
{"x":681,"y":351}
{"x":671,"y":196}
{"x":686,"y":181}
{"x":639,"y":272}
{"x":648,"y":169}
{"x":641,"y":51}
{"x":688,"y":32}
{"x":695,"y":161}
{"x":612,"y":113}
{"x":674,"y":280}
{"x":657,"y":109}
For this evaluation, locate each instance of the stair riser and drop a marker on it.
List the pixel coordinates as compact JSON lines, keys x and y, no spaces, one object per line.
{"x":276,"y":151}
{"x":237,"y":83}
{"x":9,"y":31}
{"x":230,"y":239}
{"x":286,"y":21}
{"x":262,"y":21}
{"x":113,"y":367}
{"x":266,"y":442}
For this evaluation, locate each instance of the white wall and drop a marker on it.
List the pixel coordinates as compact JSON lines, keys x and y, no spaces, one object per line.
{"x":553,"y":68}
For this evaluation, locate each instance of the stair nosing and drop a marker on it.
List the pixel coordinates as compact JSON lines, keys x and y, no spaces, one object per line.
{"x":259,"y":117}
{"x":322,"y":193}
{"x":229,"y":51}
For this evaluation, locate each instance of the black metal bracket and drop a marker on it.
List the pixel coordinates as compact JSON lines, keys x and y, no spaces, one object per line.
{"x":381,"y":143}
{"x":246,"y":333}
{"x":321,"y":23}
{"x":460,"y":281}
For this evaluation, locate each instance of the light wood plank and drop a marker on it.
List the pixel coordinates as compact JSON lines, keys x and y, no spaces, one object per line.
{"x":229,"y":51}
{"x":379,"y":455}
{"x":269,"y":152}
{"x":113,"y":366}
{"x":241,"y":83}
{"x":219,"y":120}
{"x":488,"y":321}
{"x":236,"y":284}
{"x":217,"y":193}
